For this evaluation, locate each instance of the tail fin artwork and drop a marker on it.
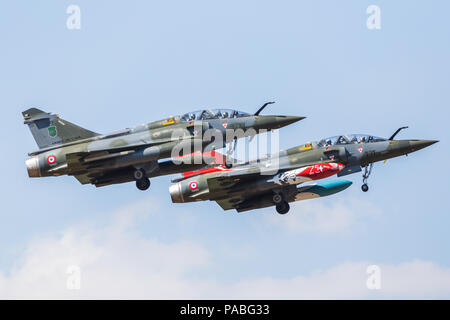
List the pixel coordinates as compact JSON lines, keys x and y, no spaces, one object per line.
{"x":50,"y":130}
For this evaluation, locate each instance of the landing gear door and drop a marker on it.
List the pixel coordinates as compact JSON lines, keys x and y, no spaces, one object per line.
{"x":349,"y":170}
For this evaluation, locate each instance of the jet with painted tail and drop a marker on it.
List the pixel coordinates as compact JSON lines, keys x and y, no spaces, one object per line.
{"x":139,"y":153}
{"x":273,"y":180}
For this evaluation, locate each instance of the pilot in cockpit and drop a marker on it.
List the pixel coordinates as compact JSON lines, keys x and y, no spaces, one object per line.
{"x":341,"y":140}
{"x":206,"y":114}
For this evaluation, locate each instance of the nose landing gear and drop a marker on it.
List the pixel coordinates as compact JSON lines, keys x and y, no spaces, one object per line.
{"x":366,"y":174}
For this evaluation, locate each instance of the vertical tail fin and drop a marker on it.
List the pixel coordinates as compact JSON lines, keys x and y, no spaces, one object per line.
{"x":50,"y":130}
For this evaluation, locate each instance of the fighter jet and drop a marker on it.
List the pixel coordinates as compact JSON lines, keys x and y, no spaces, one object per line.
{"x":251,"y":185}
{"x":133,"y":154}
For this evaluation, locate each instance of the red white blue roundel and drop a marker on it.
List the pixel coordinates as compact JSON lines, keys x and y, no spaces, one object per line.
{"x":193,"y":185}
{"x":51,"y":159}
{"x":225,"y":124}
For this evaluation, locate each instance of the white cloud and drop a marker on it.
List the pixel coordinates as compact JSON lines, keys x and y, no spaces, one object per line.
{"x":114,"y":260}
{"x":117,"y":262}
{"x":415,"y":279}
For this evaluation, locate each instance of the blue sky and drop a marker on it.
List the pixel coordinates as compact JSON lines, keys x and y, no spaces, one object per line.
{"x":138,"y":61}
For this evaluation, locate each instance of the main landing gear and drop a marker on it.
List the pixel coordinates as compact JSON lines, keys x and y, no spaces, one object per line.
{"x":366,"y":174}
{"x":142,"y":182}
{"x":281,"y":204}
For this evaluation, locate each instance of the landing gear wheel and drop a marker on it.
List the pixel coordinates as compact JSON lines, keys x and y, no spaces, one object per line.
{"x":277,"y":198}
{"x":143,"y":184}
{"x":139,"y":174}
{"x":365,"y":187}
{"x":283,"y":207}
{"x":228,"y":165}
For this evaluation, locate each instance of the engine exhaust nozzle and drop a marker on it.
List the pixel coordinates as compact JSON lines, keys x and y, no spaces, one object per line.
{"x":33,"y":167}
{"x":175,"y":193}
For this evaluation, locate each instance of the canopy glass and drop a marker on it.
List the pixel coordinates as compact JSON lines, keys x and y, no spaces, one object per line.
{"x":348,"y":139}
{"x":213,"y":114}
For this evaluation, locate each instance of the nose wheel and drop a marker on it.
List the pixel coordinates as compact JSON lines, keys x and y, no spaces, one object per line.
{"x":142,"y":182}
{"x":366,"y":174}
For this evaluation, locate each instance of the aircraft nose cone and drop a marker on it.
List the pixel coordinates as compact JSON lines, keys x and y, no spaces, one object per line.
{"x":287,"y":120}
{"x":275,"y":122}
{"x":420,"y":144}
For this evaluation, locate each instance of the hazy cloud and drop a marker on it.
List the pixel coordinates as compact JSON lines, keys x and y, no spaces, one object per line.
{"x":118,"y":262}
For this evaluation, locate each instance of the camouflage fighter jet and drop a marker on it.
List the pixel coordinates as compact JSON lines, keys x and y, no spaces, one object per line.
{"x":252,"y":186}
{"x":132,"y":154}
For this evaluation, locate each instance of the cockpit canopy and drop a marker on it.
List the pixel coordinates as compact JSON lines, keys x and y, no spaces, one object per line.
{"x":208,"y":114}
{"x":348,"y":139}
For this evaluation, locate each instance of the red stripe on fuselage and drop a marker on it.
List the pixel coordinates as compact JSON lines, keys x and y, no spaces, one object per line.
{"x":203,"y":171}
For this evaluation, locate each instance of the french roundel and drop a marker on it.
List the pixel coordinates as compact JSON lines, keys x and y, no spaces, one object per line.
{"x":193,"y":185}
{"x":51,"y":159}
